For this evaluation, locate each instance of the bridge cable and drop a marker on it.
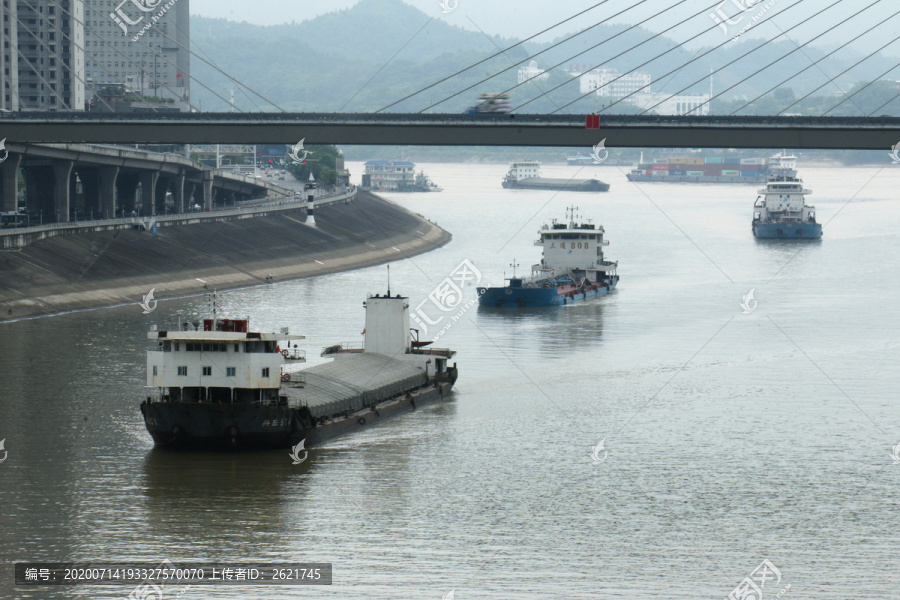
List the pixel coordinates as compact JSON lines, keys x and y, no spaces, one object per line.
{"x":153,"y":78}
{"x":814,"y":64}
{"x":861,"y":88}
{"x":779,"y":59}
{"x":216,"y":67}
{"x":574,"y":57}
{"x":853,"y":66}
{"x":130,"y":61}
{"x":883,"y":105}
{"x":51,"y":88}
{"x":695,"y":58}
{"x":799,"y":48}
{"x":66,"y":36}
{"x":659,"y":34}
{"x":496,"y":54}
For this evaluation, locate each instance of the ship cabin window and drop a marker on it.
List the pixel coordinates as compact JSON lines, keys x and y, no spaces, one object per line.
{"x":176,"y":346}
{"x":230,"y":371}
{"x":167,"y":346}
{"x":207,"y":371}
{"x":265,"y":372}
{"x":182,"y":371}
{"x":155,"y":370}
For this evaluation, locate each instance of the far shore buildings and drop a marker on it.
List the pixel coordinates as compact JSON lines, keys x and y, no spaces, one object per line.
{"x":635,"y":86}
{"x":532,"y":72}
{"x":55,"y":52}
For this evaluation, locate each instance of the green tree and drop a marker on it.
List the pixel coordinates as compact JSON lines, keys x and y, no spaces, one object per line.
{"x":320,"y":162}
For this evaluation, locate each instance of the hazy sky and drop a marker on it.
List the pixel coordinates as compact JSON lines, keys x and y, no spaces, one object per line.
{"x":521,"y":18}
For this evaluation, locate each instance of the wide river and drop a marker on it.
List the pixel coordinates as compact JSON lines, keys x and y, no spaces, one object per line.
{"x":729,"y":437}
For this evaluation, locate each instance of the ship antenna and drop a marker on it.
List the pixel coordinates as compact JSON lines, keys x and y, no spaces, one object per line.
{"x":514,"y":264}
{"x":389,"y":280}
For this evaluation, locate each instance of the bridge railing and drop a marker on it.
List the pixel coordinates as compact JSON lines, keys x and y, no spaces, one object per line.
{"x":147,"y":221}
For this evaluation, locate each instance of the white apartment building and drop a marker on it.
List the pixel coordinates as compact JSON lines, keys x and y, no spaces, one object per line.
{"x":532,"y":72}
{"x":607,"y":82}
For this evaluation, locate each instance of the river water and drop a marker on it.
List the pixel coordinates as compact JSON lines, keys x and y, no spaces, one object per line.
{"x":729,"y":438}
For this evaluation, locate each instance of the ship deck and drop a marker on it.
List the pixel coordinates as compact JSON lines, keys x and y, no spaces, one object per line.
{"x":351,"y":382}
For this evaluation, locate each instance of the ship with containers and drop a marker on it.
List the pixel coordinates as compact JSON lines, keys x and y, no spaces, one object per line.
{"x":572,"y":268}
{"x":780,"y":210}
{"x":215,"y":384}
{"x":526,"y":175}
{"x":710,"y":169}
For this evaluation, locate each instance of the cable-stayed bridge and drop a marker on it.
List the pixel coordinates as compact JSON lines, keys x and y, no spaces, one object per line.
{"x":644,"y":131}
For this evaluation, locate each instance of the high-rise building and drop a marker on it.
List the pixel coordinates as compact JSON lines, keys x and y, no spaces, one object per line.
{"x":9,"y":58}
{"x":43,"y":59}
{"x":55,"y":52}
{"x":140,"y":43}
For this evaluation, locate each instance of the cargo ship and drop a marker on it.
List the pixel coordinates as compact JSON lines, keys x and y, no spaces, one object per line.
{"x":217,"y":385}
{"x":780,"y":211}
{"x":526,"y":174}
{"x":703,"y":170}
{"x":572,"y":268}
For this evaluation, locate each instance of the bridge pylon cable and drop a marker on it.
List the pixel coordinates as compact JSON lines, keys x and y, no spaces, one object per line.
{"x":68,"y":37}
{"x":153,"y":77}
{"x":694,"y":59}
{"x":492,"y":56}
{"x":842,"y":73}
{"x":217,"y":68}
{"x":798,"y":48}
{"x":620,"y":54}
{"x":53,"y":91}
{"x":88,"y":29}
{"x":551,"y":47}
{"x":862,"y":87}
{"x":814,"y":64}
{"x":573,"y":57}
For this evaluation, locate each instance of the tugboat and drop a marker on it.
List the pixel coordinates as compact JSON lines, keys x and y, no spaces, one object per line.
{"x":217,"y":385}
{"x":526,"y":174}
{"x":780,"y":211}
{"x":572,"y":268}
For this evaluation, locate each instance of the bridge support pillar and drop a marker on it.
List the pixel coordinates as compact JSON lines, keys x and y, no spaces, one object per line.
{"x":10,"y":171}
{"x":90,"y":189}
{"x":207,"y":190}
{"x":108,"y":176}
{"x":127,"y":184}
{"x":159,"y":200}
{"x":62,"y":174}
{"x":177,"y":187}
{"x":148,"y":192}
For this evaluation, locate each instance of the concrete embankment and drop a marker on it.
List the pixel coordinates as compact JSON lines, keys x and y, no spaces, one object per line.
{"x":105,"y":268}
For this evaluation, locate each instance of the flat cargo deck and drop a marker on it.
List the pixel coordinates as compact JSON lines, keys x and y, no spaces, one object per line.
{"x":352,"y":382}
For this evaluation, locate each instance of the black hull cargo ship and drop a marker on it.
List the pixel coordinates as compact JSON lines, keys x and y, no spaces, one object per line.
{"x":224,"y":387}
